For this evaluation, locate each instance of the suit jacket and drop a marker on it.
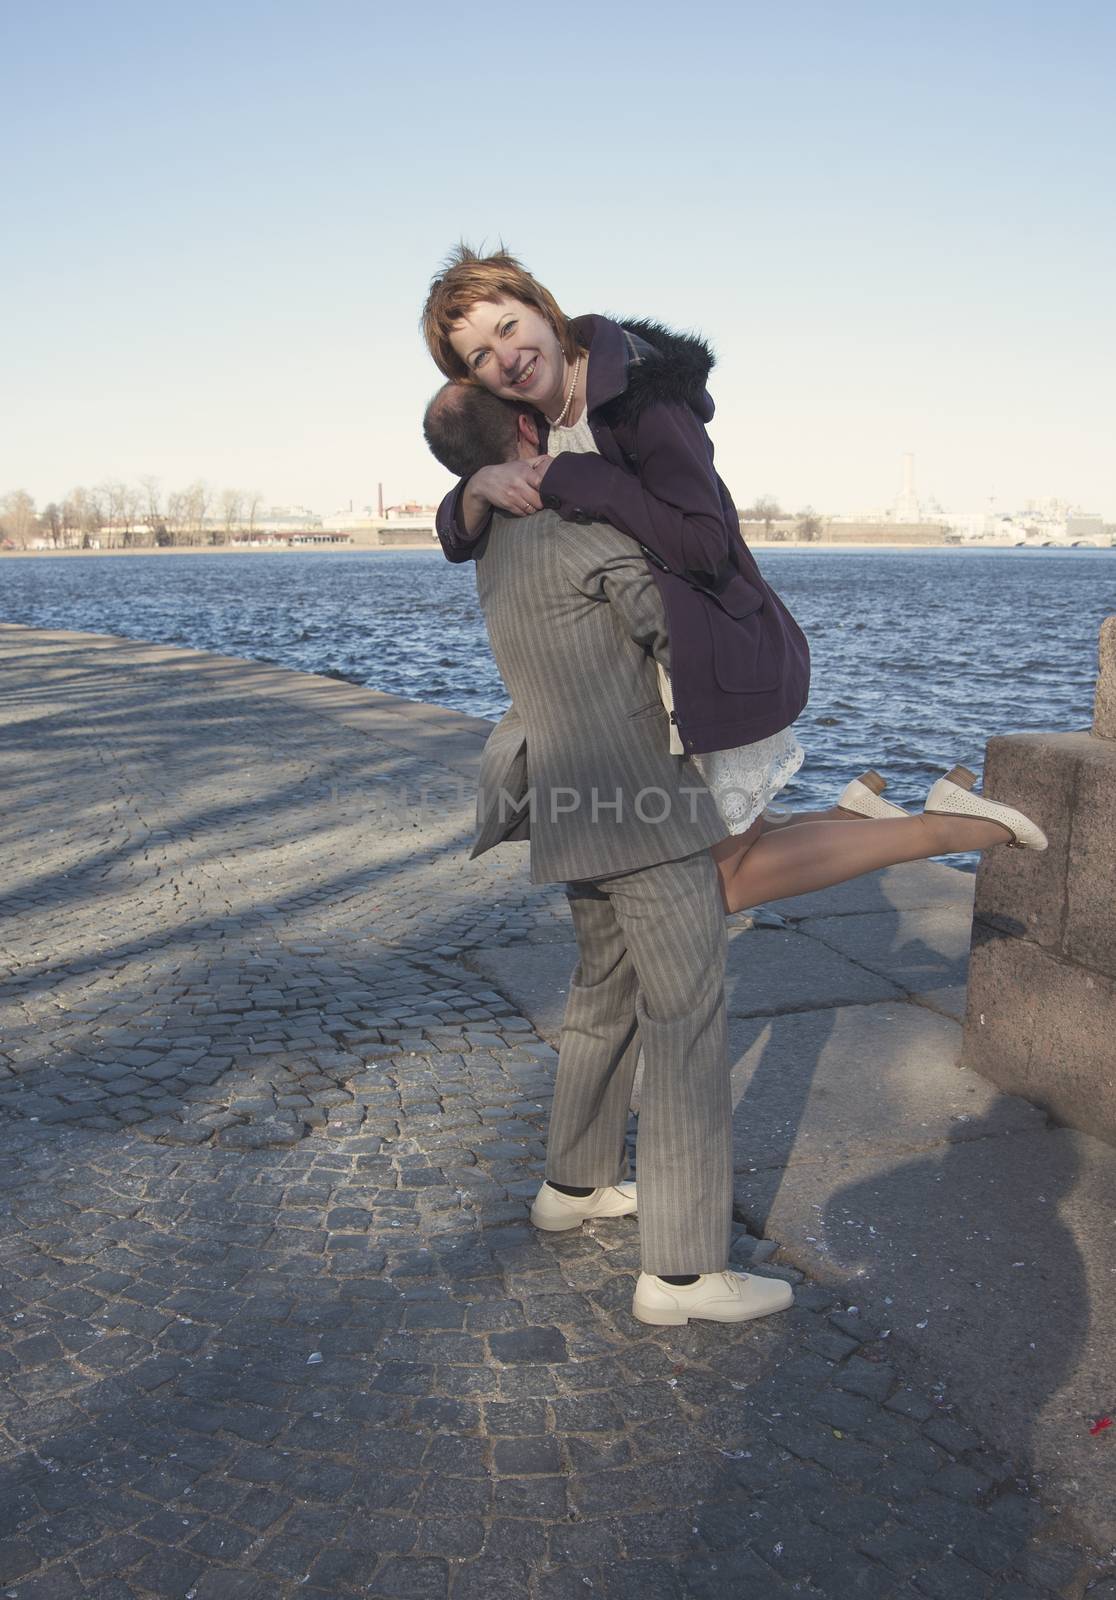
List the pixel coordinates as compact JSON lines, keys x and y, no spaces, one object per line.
{"x":581,"y":765}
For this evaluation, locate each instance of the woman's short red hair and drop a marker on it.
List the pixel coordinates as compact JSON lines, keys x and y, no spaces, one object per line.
{"x":464,"y":280}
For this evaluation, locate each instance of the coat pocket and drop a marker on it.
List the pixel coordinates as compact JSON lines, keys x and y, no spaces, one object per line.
{"x":747,"y":651}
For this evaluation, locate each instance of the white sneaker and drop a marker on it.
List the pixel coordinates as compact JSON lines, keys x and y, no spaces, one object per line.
{"x":952,"y":796}
{"x":715,"y":1297}
{"x":863,"y":796}
{"x":554,"y":1212}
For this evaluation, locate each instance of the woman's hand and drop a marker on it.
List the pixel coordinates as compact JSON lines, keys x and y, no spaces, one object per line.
{"x":513,"y":486}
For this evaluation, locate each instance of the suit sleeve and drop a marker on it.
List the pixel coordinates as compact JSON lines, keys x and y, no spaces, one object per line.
{"x":601,"y":572}
{"x":457,"y":543}
{"x":673,"y":506}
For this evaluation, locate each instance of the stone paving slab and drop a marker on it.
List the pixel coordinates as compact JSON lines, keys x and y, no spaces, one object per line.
{"x":770,"y":972}
{"x":1001,"y":1242}
{"x":949,"y":999}
{"x":451,"y":738}
{"x":272,"y":1321}
{"x":922,"y":950}
{"x":914,"y":885}
{"x":856,"y":1081}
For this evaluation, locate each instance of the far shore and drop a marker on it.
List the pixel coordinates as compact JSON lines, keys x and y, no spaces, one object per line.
{"x":813,"y":547}
{"x":232,"y":549}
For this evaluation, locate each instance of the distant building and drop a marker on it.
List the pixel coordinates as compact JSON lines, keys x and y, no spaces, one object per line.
{"x":849,"y":530}
{"x":321,"y":536}
{"x":408,"y":534}
{"x":1085,"y":525}
{"x":968,"y":525}
{"x":885,"y":532}
{"x":407,"y":525}
{"x":906,"y":507}
{"x":1051,"y":523}
{"x":287,"y":519}
{"x":410,"y":509}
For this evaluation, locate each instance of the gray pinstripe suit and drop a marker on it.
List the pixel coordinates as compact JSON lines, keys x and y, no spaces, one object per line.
{"x":576,"y":625}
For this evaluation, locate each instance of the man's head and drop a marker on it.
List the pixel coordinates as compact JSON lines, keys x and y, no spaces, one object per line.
{"x":468,"y":428}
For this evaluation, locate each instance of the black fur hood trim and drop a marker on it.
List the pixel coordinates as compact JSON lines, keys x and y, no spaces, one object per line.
{"x":671,"y":367}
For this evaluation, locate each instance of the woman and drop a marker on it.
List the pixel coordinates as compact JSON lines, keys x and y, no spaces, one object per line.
{"x":621,"y":411}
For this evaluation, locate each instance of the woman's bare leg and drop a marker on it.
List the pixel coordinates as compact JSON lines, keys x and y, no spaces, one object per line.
{"x":791,"y":819}
{"x":775,"y":863}
{"x":729,"y":852}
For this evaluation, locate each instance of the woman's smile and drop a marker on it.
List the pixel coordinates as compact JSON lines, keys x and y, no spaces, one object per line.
{"x":526,"y":375}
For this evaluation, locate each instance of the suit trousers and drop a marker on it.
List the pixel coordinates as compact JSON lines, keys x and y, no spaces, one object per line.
{"x":651,"y":974}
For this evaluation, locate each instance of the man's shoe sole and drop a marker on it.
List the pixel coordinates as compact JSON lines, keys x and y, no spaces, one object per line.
{"x":666,"y":1320}
{"x":555,"y":1218}
{"x":678,"y":1316}
{"x":558,"y":1227}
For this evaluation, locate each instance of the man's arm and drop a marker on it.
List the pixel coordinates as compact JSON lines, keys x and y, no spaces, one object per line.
{"x":463,"y":517}
{"x":618,"y":574}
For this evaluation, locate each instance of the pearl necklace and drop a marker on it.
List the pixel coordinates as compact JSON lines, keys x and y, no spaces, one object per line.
{"x":560,"y":420}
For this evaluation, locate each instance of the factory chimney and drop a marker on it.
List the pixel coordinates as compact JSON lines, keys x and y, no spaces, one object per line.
{"x":906,"y":506}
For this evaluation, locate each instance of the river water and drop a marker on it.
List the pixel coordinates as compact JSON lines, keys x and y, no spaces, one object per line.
{"x":918,"y":657}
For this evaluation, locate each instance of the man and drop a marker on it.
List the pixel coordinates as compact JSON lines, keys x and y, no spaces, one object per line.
{"x":581,"y":765}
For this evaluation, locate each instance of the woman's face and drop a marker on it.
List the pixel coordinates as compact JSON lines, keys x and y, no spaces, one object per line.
{"x":511,"y":349}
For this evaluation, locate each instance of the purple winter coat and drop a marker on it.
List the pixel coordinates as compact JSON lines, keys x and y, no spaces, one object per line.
{"x":740,"y":665}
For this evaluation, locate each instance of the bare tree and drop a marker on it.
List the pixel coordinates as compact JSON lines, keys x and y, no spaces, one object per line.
{"x":51,"y":523}
{"x":17,"y":517}
{"x":187,"y":510}
{"x":766,"y":510}
{"x":198,"y":498}
{"x":810,"y":526}
{"x":254,"y":502}
{"x":134,"y":530}
{"x":97,"y":516}
{"x":232,"y":502}
{"x":112,"y":496}
{"x":178,"y":514}
{"x":152,"y":508}
{"x":71,"y":521}
{"x":81,"y":517}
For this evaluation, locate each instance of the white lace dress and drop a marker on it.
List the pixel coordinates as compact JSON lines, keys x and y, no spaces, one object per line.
{"x":743,"y":781}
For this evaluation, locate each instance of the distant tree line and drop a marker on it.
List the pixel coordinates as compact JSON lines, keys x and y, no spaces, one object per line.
{"x":807,"y":524}
{"x":117,"y":515}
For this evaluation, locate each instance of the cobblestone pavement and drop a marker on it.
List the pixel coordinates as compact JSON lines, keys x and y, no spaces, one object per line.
{"x":273,"y":1321}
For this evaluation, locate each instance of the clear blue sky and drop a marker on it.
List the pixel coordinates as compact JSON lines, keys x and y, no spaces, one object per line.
{"x":894,"y":221}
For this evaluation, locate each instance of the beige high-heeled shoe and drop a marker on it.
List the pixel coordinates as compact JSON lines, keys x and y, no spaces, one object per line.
{"x":863,"y":797}
{"x":952,"y":796}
